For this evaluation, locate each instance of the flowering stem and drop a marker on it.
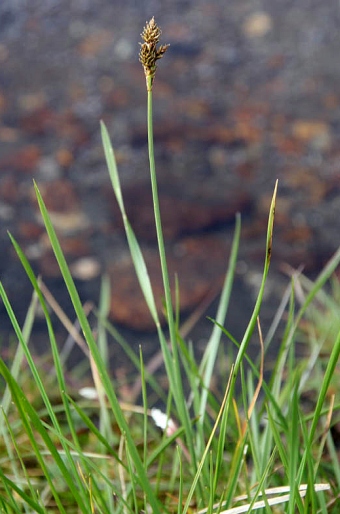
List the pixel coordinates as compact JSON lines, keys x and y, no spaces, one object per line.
{"x":150,"y":52}
{"x":178,"y":385}
{"x":159,"y":230}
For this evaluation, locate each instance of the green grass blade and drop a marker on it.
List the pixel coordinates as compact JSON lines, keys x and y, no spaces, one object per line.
{"x":332,"y":362}
{"x":210,"y":355}
{"x":136,"y":254}
{"x":172,"y":362}
{"x":57,"y":364}
{"x":180,"y":486}
{"x":17,"y":361}
{"x":219,"y":451}
{"x":173,"y":367}
{"x":130,"y":353}
{"x":31,"y":420}
{"x":15,"y":457}
{"x":224,"y":405}
{"x":11,"y":487}
{"x":252,"y":322}
{"x":293,"y":437}
{"x":101,"y":366}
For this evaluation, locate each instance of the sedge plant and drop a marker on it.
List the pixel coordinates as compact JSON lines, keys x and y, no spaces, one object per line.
{"x":223,"y":452}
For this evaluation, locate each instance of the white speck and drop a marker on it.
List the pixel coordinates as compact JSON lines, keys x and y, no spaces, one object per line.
{"x":163,"y":422}
{"x":123,"y":49}
{"x":85,"y":268}
{"x":89,"y":393}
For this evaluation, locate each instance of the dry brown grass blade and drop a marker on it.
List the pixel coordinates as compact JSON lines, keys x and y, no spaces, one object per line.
{"x":64,"y":319}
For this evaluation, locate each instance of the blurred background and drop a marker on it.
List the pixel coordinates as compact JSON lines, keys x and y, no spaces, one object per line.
{"x":248,"y":92}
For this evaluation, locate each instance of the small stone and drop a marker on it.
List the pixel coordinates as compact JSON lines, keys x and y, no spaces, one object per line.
{"x":194,"y":108}
{"x":64,"y":157}
{"x":307,"y":130}
{"x":313,"y":186}
{"x":9,"y":134}
{"x":29,"y":230}
{"x":218,"y":156}
{"x":190,"y":260}
{"x":73,"y":247}
{"x":181,"y":215}
{"x":95,"y":43}
{"x":86,"y":268}
{"x":38,"y":122}
{"x":6,"y":212}
{"x":3,"y":102}
{"x":24,"y":160}
{"x":63,"y":205}
{"x":124,"y":49}
{"x":31,"y":102}
{"x":9,"y":188}
{"x":48,"y":265}
{"x":257,"y":25}
{"x":76,"y":246}
{"x":69,"y":223}
{"x":33,"y":251}
{"x":297,"y":235}
{"x":59,"y":196}
{"x":71,"y":129}
{"x":4,"y":52}
{"x":287,"y":145}
{"x":322,"y":142}
{"x":48,"y":168}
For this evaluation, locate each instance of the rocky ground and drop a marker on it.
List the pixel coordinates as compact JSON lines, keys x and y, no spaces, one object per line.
{"x":249,"y":92}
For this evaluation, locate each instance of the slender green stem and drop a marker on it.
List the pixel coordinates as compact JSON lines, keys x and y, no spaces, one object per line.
{"x":178,"y":386}
{"x":159,"y":231}
{"x":148,"y":56}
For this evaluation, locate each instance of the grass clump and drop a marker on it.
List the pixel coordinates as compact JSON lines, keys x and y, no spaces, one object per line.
{"x":263,"y":446}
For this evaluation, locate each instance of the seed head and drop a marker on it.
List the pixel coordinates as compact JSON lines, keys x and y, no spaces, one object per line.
{"x":149,"y":53}
{"x":151,"y":32}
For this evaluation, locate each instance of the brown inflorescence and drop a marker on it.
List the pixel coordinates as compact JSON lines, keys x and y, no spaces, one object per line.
{"x":149,"y":53}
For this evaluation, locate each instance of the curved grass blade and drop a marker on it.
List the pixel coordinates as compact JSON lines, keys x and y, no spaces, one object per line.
{"x":30,"y":420}
{"x":97,"y":359}
{"x":209,"y":359}
{"x":252,"y":322}
{"x":136,"y":254}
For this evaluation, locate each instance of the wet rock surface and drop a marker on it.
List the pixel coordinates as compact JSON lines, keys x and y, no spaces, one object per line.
{"x":242,"y":98}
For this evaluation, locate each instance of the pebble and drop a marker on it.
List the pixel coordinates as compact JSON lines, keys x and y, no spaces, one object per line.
{"x":60,"y":196}
{"x":95,"y":43}
{"x":86,"y":268}
{"x":9,"y":188}
{"x":69,"y":223}
{"x":24,"y":160}
{"x":38,"y":121}
{"x":181,"y":215}
{"x":309,"y":130}
{"x":6,"y":212}
{"x":234,"y":109}
{"x":48,"y":168}
{"x":257,"y":25}
{"x":191,"y":261}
